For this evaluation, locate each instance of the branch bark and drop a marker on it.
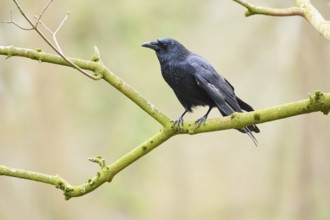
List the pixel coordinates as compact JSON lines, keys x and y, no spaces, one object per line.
{"x":316,"y":102}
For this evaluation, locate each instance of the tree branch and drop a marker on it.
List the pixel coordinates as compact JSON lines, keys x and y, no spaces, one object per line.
{"x":317,"y":102}
{"x":253,"y":10}
{"x":303,"y":8}
{"x":106,"y":173}
{"x":98,"y":68}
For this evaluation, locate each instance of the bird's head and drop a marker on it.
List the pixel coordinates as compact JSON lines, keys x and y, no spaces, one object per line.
{"x":165,"y":47}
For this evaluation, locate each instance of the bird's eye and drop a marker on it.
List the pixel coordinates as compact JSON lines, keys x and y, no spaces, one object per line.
{"x":162,"y":44}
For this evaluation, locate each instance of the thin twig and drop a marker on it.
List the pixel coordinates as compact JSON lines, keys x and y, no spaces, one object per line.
{"x":16,"y":24}
{"x":55,"y":47}
{"x":24,"y":15}
{"x":58,"y":28}
{"x":53,"y":33}
{"x":42,"y":13}
{"x":99,"y":160}
{"x":44,"y":25}
{"x":61,"y":24}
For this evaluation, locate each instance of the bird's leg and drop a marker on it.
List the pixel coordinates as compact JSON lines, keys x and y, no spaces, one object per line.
{"x":179,"y":121}
{"x":203,"y":119}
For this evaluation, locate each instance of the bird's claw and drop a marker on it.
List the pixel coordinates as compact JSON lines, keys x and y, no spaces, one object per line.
{"x":178,"y":123}
{"x":200,"y":121}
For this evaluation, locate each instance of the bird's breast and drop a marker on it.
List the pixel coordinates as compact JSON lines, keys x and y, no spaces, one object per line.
{"x":185,"y":86}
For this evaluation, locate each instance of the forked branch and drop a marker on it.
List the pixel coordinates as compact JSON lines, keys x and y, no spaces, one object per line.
{"x":55,"y":46}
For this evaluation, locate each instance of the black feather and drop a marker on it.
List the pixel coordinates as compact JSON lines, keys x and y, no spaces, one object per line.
{"x":196,"y":83}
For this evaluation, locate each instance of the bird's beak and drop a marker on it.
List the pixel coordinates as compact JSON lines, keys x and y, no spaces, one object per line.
{"x":152,"y":45}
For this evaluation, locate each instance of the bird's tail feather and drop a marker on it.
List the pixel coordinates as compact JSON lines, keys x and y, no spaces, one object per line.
{"x":249,"y":132}
{"x":248,"y":108}
{"x":253,"y":128}
{"x":248,"y":129}
{"x":244,"y":105}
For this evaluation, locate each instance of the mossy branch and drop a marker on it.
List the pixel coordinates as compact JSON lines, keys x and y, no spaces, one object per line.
{"x":317,"y":102}
{"x":95,"y":66}
{"x":303,"y":8}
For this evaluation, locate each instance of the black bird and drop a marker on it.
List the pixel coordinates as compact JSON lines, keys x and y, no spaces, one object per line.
{"x":196,"y":83}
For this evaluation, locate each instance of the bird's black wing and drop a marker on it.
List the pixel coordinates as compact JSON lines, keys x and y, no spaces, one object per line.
{"x":215,"y":94}
{"x":219,"y":89}
{"x":216,"y":86}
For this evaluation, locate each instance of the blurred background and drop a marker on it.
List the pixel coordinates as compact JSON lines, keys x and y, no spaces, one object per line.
{"x":52,"y":118}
